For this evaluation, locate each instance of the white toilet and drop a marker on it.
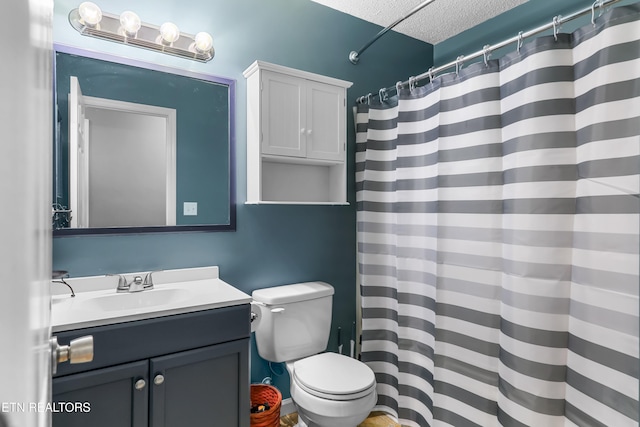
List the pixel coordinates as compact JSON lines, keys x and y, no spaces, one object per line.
{"x":293,"y":325}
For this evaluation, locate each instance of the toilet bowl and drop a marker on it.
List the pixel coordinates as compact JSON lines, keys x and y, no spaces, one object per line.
{"x":328,"y":389}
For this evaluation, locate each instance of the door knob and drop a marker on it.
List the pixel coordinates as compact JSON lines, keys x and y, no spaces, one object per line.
{"x":79,"y":350}
{"x":139,"y":385}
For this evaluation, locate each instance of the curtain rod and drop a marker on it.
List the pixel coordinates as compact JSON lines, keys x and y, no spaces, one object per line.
{"x":354,"y":56}
{"x":486,"y":50}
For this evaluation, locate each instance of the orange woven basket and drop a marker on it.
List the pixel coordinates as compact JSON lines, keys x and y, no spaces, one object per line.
{"x":263,"y":393}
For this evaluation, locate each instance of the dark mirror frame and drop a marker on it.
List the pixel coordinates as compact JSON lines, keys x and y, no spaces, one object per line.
{"x":230,"y":83}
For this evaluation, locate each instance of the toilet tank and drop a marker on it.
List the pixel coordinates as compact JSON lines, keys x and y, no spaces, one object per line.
{"x":294,"y":321}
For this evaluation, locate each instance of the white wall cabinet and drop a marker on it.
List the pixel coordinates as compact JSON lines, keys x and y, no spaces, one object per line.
{"x":296,"y":136}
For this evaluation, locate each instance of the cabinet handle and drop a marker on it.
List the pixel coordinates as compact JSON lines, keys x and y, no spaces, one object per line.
{"x":302,"y":130}
{"x":140,"y":384}
{"x":159,"y":379}
{"x":308,"y":131}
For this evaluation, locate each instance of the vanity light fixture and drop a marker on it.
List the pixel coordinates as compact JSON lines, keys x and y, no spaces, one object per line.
{"x":90,"y":14}
{"x":169,"y":33}
{"x":203,"y":42}
{"x":130,"y":23}
{"x":128,"y":29}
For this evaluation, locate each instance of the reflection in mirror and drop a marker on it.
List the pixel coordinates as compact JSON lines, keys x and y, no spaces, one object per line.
{"x":140,"y":148}
{"x":113,"y":144}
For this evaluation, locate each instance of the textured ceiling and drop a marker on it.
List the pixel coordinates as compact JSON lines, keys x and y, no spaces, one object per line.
{"x":436,"y":22}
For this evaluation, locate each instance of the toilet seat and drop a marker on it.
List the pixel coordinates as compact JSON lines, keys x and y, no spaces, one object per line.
{"x":334,"y":376}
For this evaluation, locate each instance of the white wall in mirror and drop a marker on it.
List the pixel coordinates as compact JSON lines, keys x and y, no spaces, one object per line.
{"x":123,"y":162}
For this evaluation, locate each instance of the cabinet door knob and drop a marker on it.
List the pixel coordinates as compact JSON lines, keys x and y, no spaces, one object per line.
{"x":159,"y":379}
{"x":308,"y":131}
{"x":140,"y":384}
{"x":302,"y":130}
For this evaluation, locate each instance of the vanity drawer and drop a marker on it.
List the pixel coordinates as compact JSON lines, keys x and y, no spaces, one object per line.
{"x":142,"y":339}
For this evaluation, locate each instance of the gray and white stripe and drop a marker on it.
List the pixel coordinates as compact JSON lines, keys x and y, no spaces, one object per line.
{"x":498,"y":237}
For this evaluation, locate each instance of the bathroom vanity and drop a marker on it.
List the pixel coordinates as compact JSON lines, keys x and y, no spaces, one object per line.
{"x":158,"y":369}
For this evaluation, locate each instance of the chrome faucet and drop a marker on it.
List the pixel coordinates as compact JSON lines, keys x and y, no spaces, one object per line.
{"x":136,"y":285}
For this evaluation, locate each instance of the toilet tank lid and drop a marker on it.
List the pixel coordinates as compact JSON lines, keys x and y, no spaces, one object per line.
{"x":292,"y":293}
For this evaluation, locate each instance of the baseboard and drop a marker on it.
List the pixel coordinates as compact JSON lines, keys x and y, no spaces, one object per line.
{"x":287,"y":407}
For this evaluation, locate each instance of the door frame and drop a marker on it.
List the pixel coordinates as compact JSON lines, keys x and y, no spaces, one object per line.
{"x":78,"y":200}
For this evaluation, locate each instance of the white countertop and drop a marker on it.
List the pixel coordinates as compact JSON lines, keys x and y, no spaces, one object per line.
{"x":175,"y":291}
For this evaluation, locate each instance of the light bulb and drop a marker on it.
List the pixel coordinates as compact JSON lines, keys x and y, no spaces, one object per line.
{"x":169,"y":32}
{"x":90,"y":13}
{"x":130,"y":22}
{"x":203,"y":42}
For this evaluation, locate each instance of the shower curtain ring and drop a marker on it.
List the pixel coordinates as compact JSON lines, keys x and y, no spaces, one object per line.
{"x":369,"y":98}
{"x":398,"y":87}
{"x":519,"y":41}
{"x":382,"y":94}
{"x":556,"y":27}
{"x":430,"y":71}
{"x":486,"y":52}
{"x":459,"y":64}
{"x":597,"y":3}
{"x":412,"y":83}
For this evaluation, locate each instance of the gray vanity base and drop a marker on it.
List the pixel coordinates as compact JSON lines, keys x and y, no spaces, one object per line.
{"x":189,"y":369}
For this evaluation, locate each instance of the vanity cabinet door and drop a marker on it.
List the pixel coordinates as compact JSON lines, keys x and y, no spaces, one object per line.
{"x":116,"y":396}
{"x":202,"y":387}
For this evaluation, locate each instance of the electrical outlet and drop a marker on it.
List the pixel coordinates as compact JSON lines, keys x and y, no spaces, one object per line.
{"x":190,"y":209}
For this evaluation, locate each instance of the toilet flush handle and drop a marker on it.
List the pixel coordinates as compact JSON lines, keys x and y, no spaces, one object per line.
{"x":277,"y":310}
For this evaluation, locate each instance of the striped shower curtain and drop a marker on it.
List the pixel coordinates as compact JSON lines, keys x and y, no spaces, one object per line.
{"x":498,"y":235}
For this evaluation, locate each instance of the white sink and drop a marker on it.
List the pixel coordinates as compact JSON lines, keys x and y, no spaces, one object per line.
{"x":175,"y":291}
{"x":136,"y":300}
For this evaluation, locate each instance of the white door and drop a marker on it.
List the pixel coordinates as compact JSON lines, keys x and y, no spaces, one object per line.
{"x":326,"y":121}
{"x":284,"y":127}
{"x":78,"y":160}
{"x":25,"y":244}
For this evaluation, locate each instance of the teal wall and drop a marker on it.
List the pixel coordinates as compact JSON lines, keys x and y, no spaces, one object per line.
{"x":273,"y":245}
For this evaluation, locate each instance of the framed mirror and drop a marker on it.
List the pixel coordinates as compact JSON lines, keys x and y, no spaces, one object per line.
{"x":140,"y":148}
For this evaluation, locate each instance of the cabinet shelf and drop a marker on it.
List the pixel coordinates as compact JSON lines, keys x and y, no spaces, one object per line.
{"x":296,"y":136}
{"x":299,"y":160}
{"x":267,"y":202}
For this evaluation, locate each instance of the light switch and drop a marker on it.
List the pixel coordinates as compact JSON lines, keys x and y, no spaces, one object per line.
{"x":190,"y":208}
